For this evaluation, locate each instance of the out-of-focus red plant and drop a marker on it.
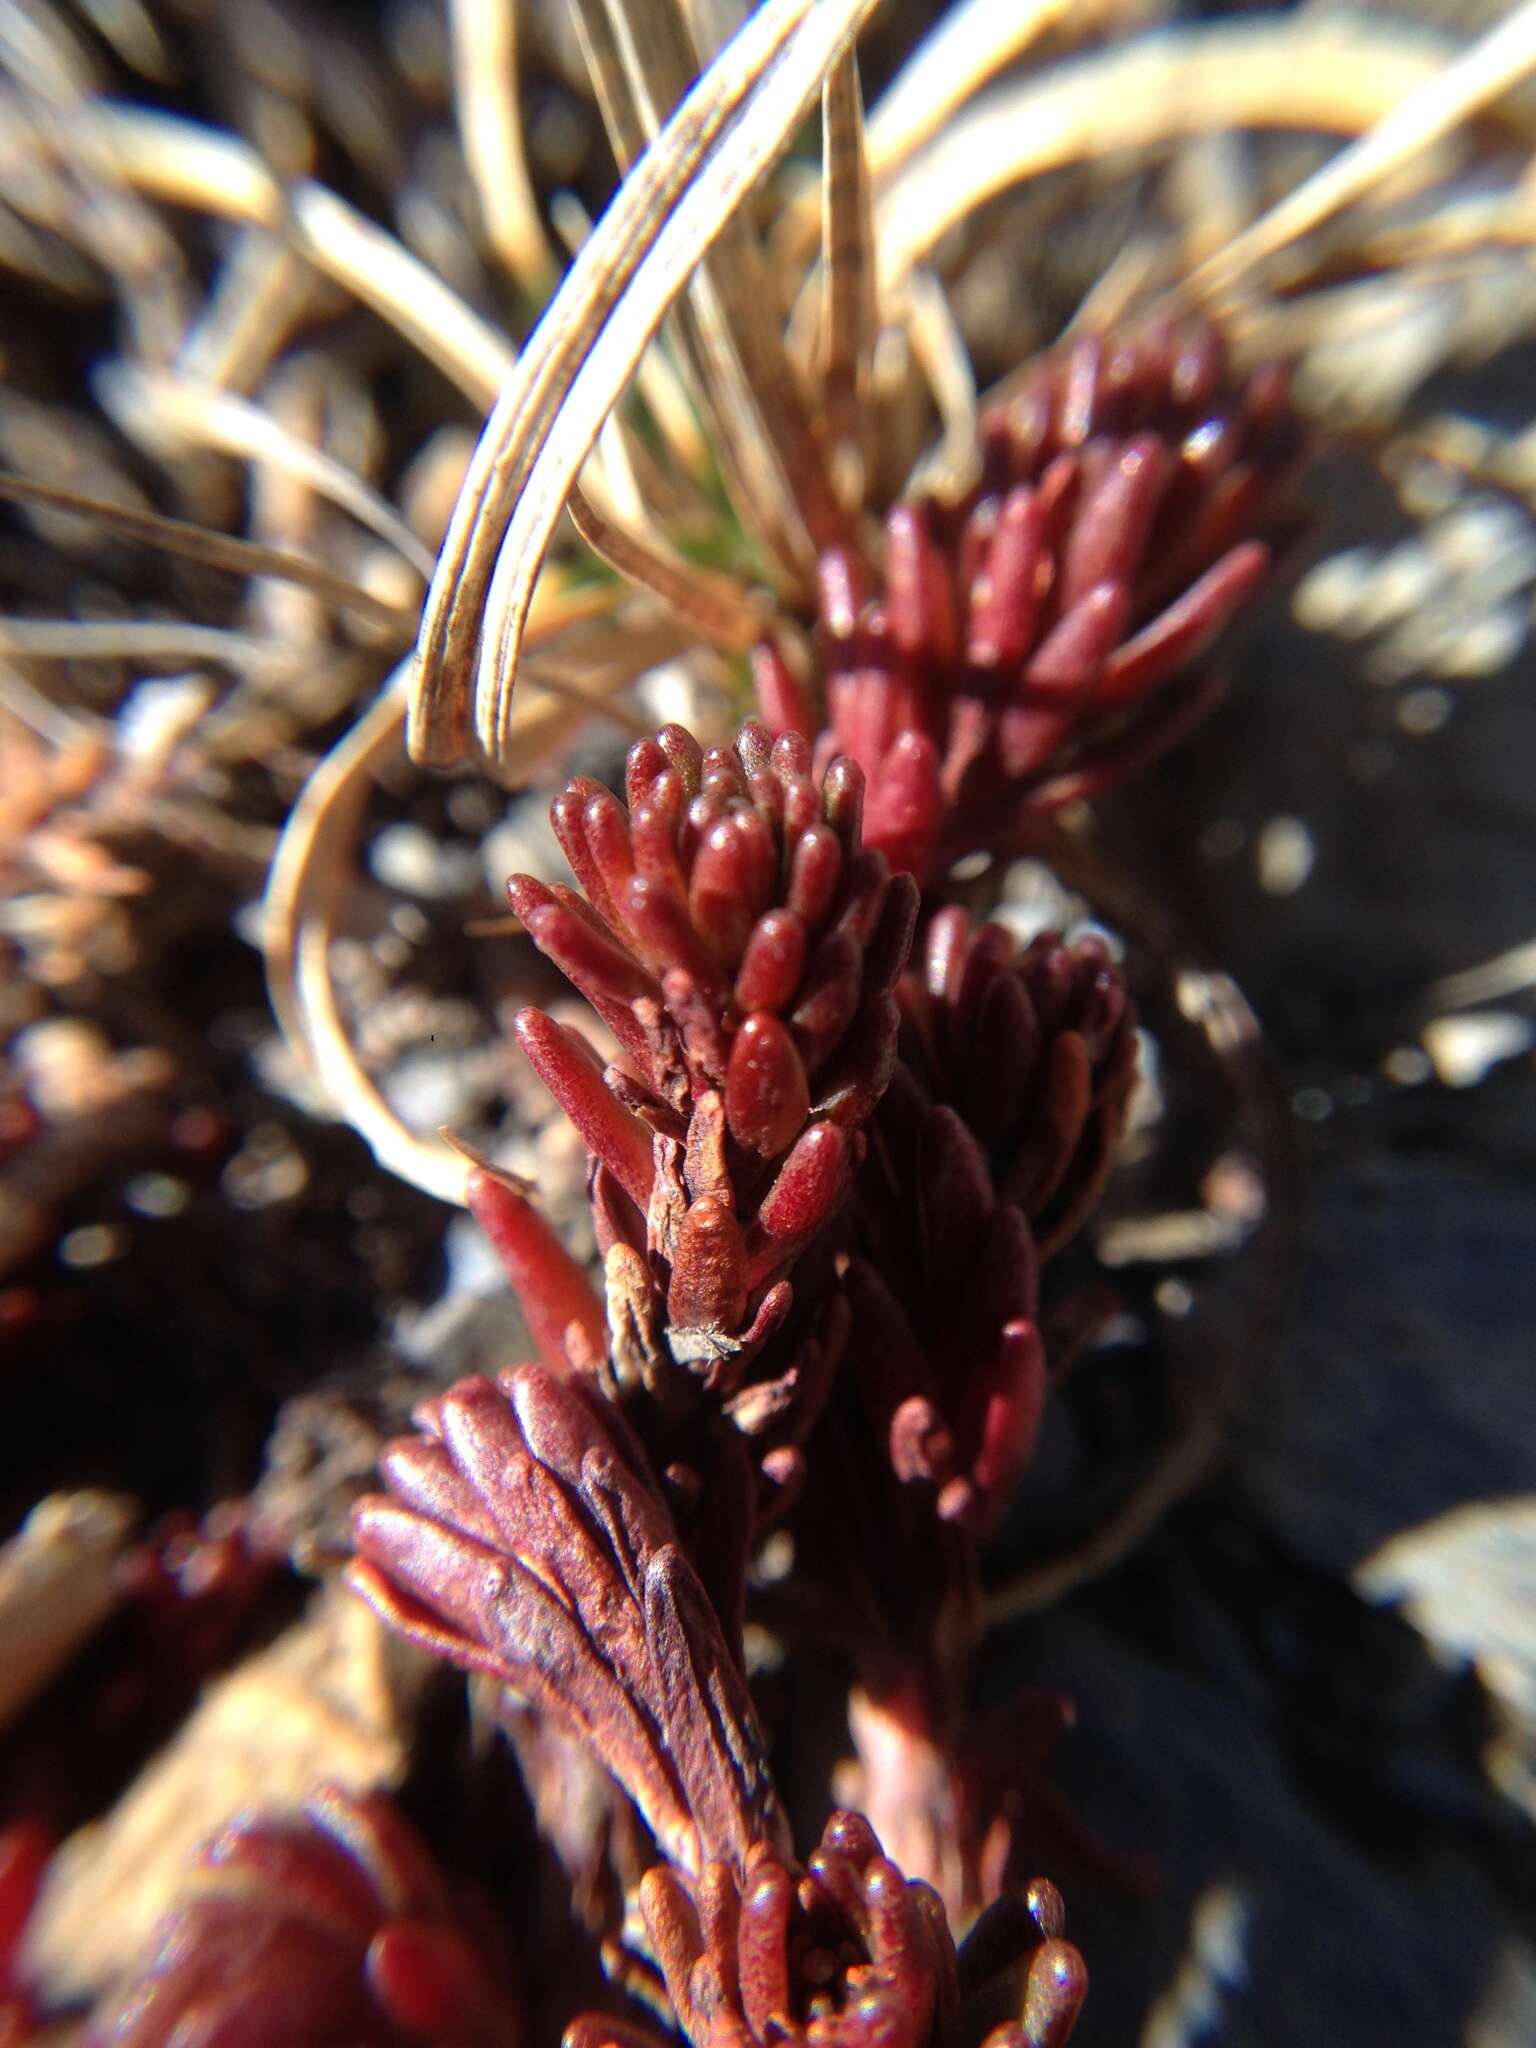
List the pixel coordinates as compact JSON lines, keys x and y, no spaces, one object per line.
{"x":334,"y":1925}
{"x":1036,"y":640}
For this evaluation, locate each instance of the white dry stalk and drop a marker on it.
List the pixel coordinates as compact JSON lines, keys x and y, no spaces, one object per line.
{"x":204,"y":544}
{"x":490,"y":125}
{"x":738,"y":119}
{"x":1315,"y":74}
{"x":1481,"y":75}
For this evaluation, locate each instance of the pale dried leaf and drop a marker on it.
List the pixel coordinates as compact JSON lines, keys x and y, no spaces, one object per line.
{"x":738,"y":119}
{"x":1481,"y":75}
{"x":56,"y":1587}
{"x":485,"y":98}
{"x":326,"y":1703}
{"x":1314,"y":73}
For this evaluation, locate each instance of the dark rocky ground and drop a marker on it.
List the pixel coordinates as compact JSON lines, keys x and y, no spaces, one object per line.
{"x":1346,"y":1855}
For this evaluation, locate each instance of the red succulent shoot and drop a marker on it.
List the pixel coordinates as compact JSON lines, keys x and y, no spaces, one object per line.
{"x":1037,"y":640}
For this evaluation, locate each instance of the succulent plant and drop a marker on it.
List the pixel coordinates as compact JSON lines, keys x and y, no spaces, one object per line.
{"x":524,"y":1538}
{"x":1038,"y":639}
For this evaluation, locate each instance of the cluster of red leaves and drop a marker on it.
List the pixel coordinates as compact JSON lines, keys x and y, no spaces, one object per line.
{"x":525,"y":1537}
{"x":742,"y":946}
{"x":989,"y":1148}
{"x":1033,"y":643}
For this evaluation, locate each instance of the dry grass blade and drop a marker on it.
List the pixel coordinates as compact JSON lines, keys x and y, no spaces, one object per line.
{"x":660,"y":384}
{"x":1316,"y":74}
{"x":485,"y":94}
{"x":153,"y":640}
{"x":939,"y":349}
{"x":303,"y":889}
{"x":852,"y":317}
{"x":189,"y":165}
{"x":1481,"y":75}
{"x":645,"y":61}
{"x":260,"y":298}
{"x":156,"y":409}
{"x":315,"y":856}
{"x":971,"y":44}
{"x":713,"y":374}
{"x":202,"y":544}
{"x":715,"y":607}
{"x":738,"y":119}
{"x":415,"y":301}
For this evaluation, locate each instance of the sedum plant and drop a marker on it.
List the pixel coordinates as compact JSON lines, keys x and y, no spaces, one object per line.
{"x":834,"y":1131}
{"x":836,"y":1134}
